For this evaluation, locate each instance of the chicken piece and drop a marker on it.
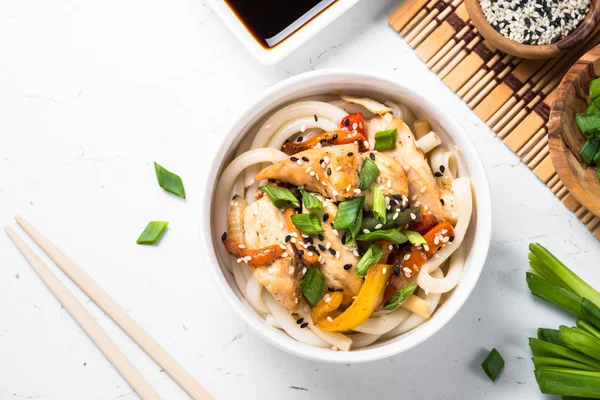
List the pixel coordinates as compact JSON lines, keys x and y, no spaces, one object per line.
{"x":338,"y":262}
{"x":265,"y":225}
{"x":374,"y":125}
{"x":392,"y":180}
{"x":331,"y":171}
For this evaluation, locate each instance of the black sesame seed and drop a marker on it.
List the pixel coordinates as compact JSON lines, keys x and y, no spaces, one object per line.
{"x":300,"y":253}
{"x":332,"y":252}
{"x":340,"y":289}
{"x":305,"y":159}
{"x":451,"y":239}
{"x":344,"y":239}
{"x":330,"y":290}
{"x":347,"y":122}
{"x":304,"y":325}
{"x":347,"y":266}
{"x":300,"y":320}
{"x":438,"y":174}
{"x":321,"y":238}
{"x":317,"y":252}
{"x":309,"y":240}
{"x":396,"y":271}
{"x":299,"y":139}
{"x":321,"y":247}
{"x":224,"y":236}
{"x":334,"y":137}
{"x":311,"y":248}
{"x":287,"y":238}
{"x":442,"y":168}
{"x":272,"y":180}
{"x":372,"y":155}
{"x":293,"y":158}
{"x":321,"y":161}
{"x":328,"y":171}
{"x":442,"y":201}
{"x":325,"y":217}
{"x":350,"y":154}
{"x":316,"y":118}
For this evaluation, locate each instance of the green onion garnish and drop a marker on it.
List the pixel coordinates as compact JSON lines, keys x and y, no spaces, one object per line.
{"x":588,"y":151}
{"x":385,"y":139}
{"x":280,"y":196}
{"x":394,"y":219}
{"x":309,"y":224}
{"x":169,"y":181}
{"x":368,"y":173}
{"x":353,"y":231}
{"x":592,"y":109}
{"x":312,"y":285}
{"x":379,"y":208}
{"x":589,"y":125}
{"x":153,"y":231}
{"x":595,"y":89}
{"x":371,"y":257}
{"x":393,"y":236}
{"x":493,"y":364}
{"x":400,"y":297}
{"x":310,"y":201}
{"x":348,"y":212}
{"x":415,"y":238}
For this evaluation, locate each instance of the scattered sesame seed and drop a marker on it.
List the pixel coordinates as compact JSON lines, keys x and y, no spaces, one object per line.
{"x":406,"y":257}
{"x":384,"y":270}
{"x":357,"y":191}
{"x":304,"y":325}
{"x":293,"y":158}
{"x":242,"y":246}
{"x":378,"y":226}
{"x":299,"y":162}
{"x":423,"y":189}
{"x":224,"y":236}
{"x":299,"y":321}
{"x":302,"y":128}
{"x":285,"y":254}
{"x":413,"y":216}
{"x":329,"y":319}
{"x":304,"y":158}
{"x":299,"y":139}
{"x":347,"y":266}
{"x":366,"y":231}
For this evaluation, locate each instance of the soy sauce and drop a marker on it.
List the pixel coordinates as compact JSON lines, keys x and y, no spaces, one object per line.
{"x":272,"y":21}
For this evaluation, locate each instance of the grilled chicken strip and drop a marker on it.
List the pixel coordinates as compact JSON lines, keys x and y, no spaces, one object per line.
{"x":331,"y":171}
{"x":338,"y":262}
{"x":392,"y":180}
{"x":265,"y":225}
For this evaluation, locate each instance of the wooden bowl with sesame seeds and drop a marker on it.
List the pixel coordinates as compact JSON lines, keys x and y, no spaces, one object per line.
{"x":574,"y":39}
{"x":564,"y":137}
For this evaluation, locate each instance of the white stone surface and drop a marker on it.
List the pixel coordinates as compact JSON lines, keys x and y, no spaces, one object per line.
{"x":92,"y":92}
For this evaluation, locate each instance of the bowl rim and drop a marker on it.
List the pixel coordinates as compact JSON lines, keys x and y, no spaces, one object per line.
{"x":273,"y":97}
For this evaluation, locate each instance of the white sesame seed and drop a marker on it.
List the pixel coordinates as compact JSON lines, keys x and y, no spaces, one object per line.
{"x":413,"y":216}
{"x":326,"y":159}
{"x":299,"y":162}
{"x":384,"y":270}
{"x":242,"y":246}
{"x":423,"y":189}
{"x":366,"y":231}
{"x":338,"y":168}
{"x":329,"y":319}
{"x":378,"y":226}
{"x":389,"y":183}
{"x":291,"y":270}
{"x":357,"y":191}
{"x":281,"y":225}
{"x":304,"y":270}
{"x":354,"y":126}
{"x":335,"y":232}
{"x":302,"y":128}
{"x":406,"y":257}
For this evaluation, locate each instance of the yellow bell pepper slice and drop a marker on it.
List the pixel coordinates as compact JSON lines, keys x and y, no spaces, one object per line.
{"x":328,"y":304}
{"x":368,"y":299}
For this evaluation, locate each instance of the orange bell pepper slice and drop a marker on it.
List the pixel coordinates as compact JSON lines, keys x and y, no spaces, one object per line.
{"x":325,"y":307}
{"x":335,"y":137}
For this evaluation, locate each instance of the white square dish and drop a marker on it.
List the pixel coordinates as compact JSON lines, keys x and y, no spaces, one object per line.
{"x":270,"y":56}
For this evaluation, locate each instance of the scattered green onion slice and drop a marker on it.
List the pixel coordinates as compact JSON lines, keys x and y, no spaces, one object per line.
{"x":352,"y":232}
{"x":415,"y":238}
{"x":371,"y":257}
{"x":493,"y":364}
{"x":592,"y":109}
{"x":588,"y":151}
{"x":152,"y":233}
{"x":312,"y":285}
{"x":379,"y":206}
{"x":400,"y":297}
{"x":280,"y":196}
{"x":393,"y":236}
{"x":595,"y":89}
{"x":394,"y":219}
{"x":348,"y":212}
{"x":169,"y":181}
{"x":385,"y":139}
{"x":308,"y":224}
{"x":310,"y":201}
{"x":589,"y":125}
{"x":368,"y":173}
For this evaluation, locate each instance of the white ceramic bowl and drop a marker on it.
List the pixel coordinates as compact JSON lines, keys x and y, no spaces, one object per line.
{"x":328,"y":81}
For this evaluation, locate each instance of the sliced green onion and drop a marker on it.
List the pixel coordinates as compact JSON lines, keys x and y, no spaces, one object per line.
{"x":353,"y":231}
{"x":152,"y":233}
{"x":312,"y":285}
{"x":348,"y":212}
{"x":493,"y":364}
{"x":280,"y":196}
{"x":592,"y":109}
{"x":554,"y":294}
{"x":400,"y":297}
{"x":596,"y":159}
{"x":310,"y":201}
{"x":394,"y":219}
{"x":169,"y":181}
{"x":540,"y":269}
{"x":385,"y":139}
{"x":379,"y":208}
{"x":550,"y":336}
{"x":579,"y":340}
{"x":598,"y":170}
{"x":595,"y":89}
{"x":541,"y":362}
{"x":371,"y":257}
{"x":588,"y":151}
{"x":393,"y":236}
{"x":415,"y":238}
{"x":589,"y":125}
{"x":568,"y":382}
{"x":591,"y":312}
{"x":589,"y":328}
{"x":539,"y":348}
{"x":368,"y":173}
{"x":309,"y":224}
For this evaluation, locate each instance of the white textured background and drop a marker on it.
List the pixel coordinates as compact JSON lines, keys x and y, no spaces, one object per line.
{"x":91,"y":92}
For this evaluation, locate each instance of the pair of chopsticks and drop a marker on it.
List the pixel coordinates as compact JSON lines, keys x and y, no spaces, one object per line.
{"x":110,"y":308}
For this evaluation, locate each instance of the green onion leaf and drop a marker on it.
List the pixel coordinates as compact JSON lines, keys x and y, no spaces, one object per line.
{"x":588,"y":328}
{"x":554,"y":294}
{"x":280,"y":196}
{"x":550,"y":336}
{"x":542,"y":362}
{"x":371,"y":257}
{"x":353,"y":231}
{"x":591,"y":312}
{"x":310,"y":201}
{"x":595,"y":89}
{"x":592,"y":109}
{"x":493,"y":364}
{"x":579,"y":340}
{"x":379,"y":204}
{"x":400,"y":297}
{"x":589,"y":125}
{"x":568,"y":382}
{"x":169,"y":181}
{"x":312,"y":285}
{"x":368,"y":173}
{"x":588,"y":151}
{"x":309,"y":224}
{"x":348,"y":212}
{"x":385,"y":139}
{"x":393,"y":236}
{"x":415,"y":238}
{"x":394,"y":219}
{"x":539,"y":348}
{"x":153,"y":231}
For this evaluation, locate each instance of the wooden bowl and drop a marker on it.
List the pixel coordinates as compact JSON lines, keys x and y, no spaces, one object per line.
{"x":576,"y":38}
{"x":564,"y":137}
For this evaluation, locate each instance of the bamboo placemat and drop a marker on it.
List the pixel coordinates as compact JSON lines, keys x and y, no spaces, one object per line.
{"x":512,"y":95}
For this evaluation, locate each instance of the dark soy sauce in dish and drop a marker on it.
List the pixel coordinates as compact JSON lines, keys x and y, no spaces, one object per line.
{"x":273,"y":21}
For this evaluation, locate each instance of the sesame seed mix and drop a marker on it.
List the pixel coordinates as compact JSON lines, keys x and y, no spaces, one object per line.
{"x":535,"y":22}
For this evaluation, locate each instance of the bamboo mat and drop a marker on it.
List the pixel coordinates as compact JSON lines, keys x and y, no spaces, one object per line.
{"x":512,"y":95}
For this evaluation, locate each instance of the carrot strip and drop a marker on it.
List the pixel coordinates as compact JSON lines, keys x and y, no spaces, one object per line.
{"x":253,"y":256}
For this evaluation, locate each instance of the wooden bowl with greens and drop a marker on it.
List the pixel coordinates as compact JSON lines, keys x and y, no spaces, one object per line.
{"x":574,"y":131}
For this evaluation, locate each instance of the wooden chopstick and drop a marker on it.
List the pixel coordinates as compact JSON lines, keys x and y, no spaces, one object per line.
{"x":118,"y":315}
{"x":86,"y":321}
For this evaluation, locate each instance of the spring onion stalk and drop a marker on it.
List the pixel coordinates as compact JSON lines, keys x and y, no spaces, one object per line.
{"x":587,"y":327}
{"x":393,"y":236}
{"x":539,"y":348}
{"x":493,"y":364}
{"x":568,"y":277}
{"x":153,"y":232}
{"x":371,"y":257}
{"x":595,"y":89}
{"x":368,"y":173}
{"x":312,"y":285}
{"x":579,"y":340}
{"x":400,"y":297}
{"x":568,"y":382}
{"x":554,"y":294}
{"x":539,"y":269}
{"x":385,"y":139}
{"x":592,"y":109}
{"x":394,"y":219}
{"x":550,"y":336}
{"x":588,"y":151}
{"x":169,"y":181}
{"x":589,"y":124}
{"x":591,"y":312}
{"x":348,"y":213}
{"x":353,"y":231}
{"x":541,"y":362}
{"x":310,"y":201}
{"x":280,"y":196}
{"x":379,"y":206}
{"x":415,"y":238}
{"x":308,"y":224}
